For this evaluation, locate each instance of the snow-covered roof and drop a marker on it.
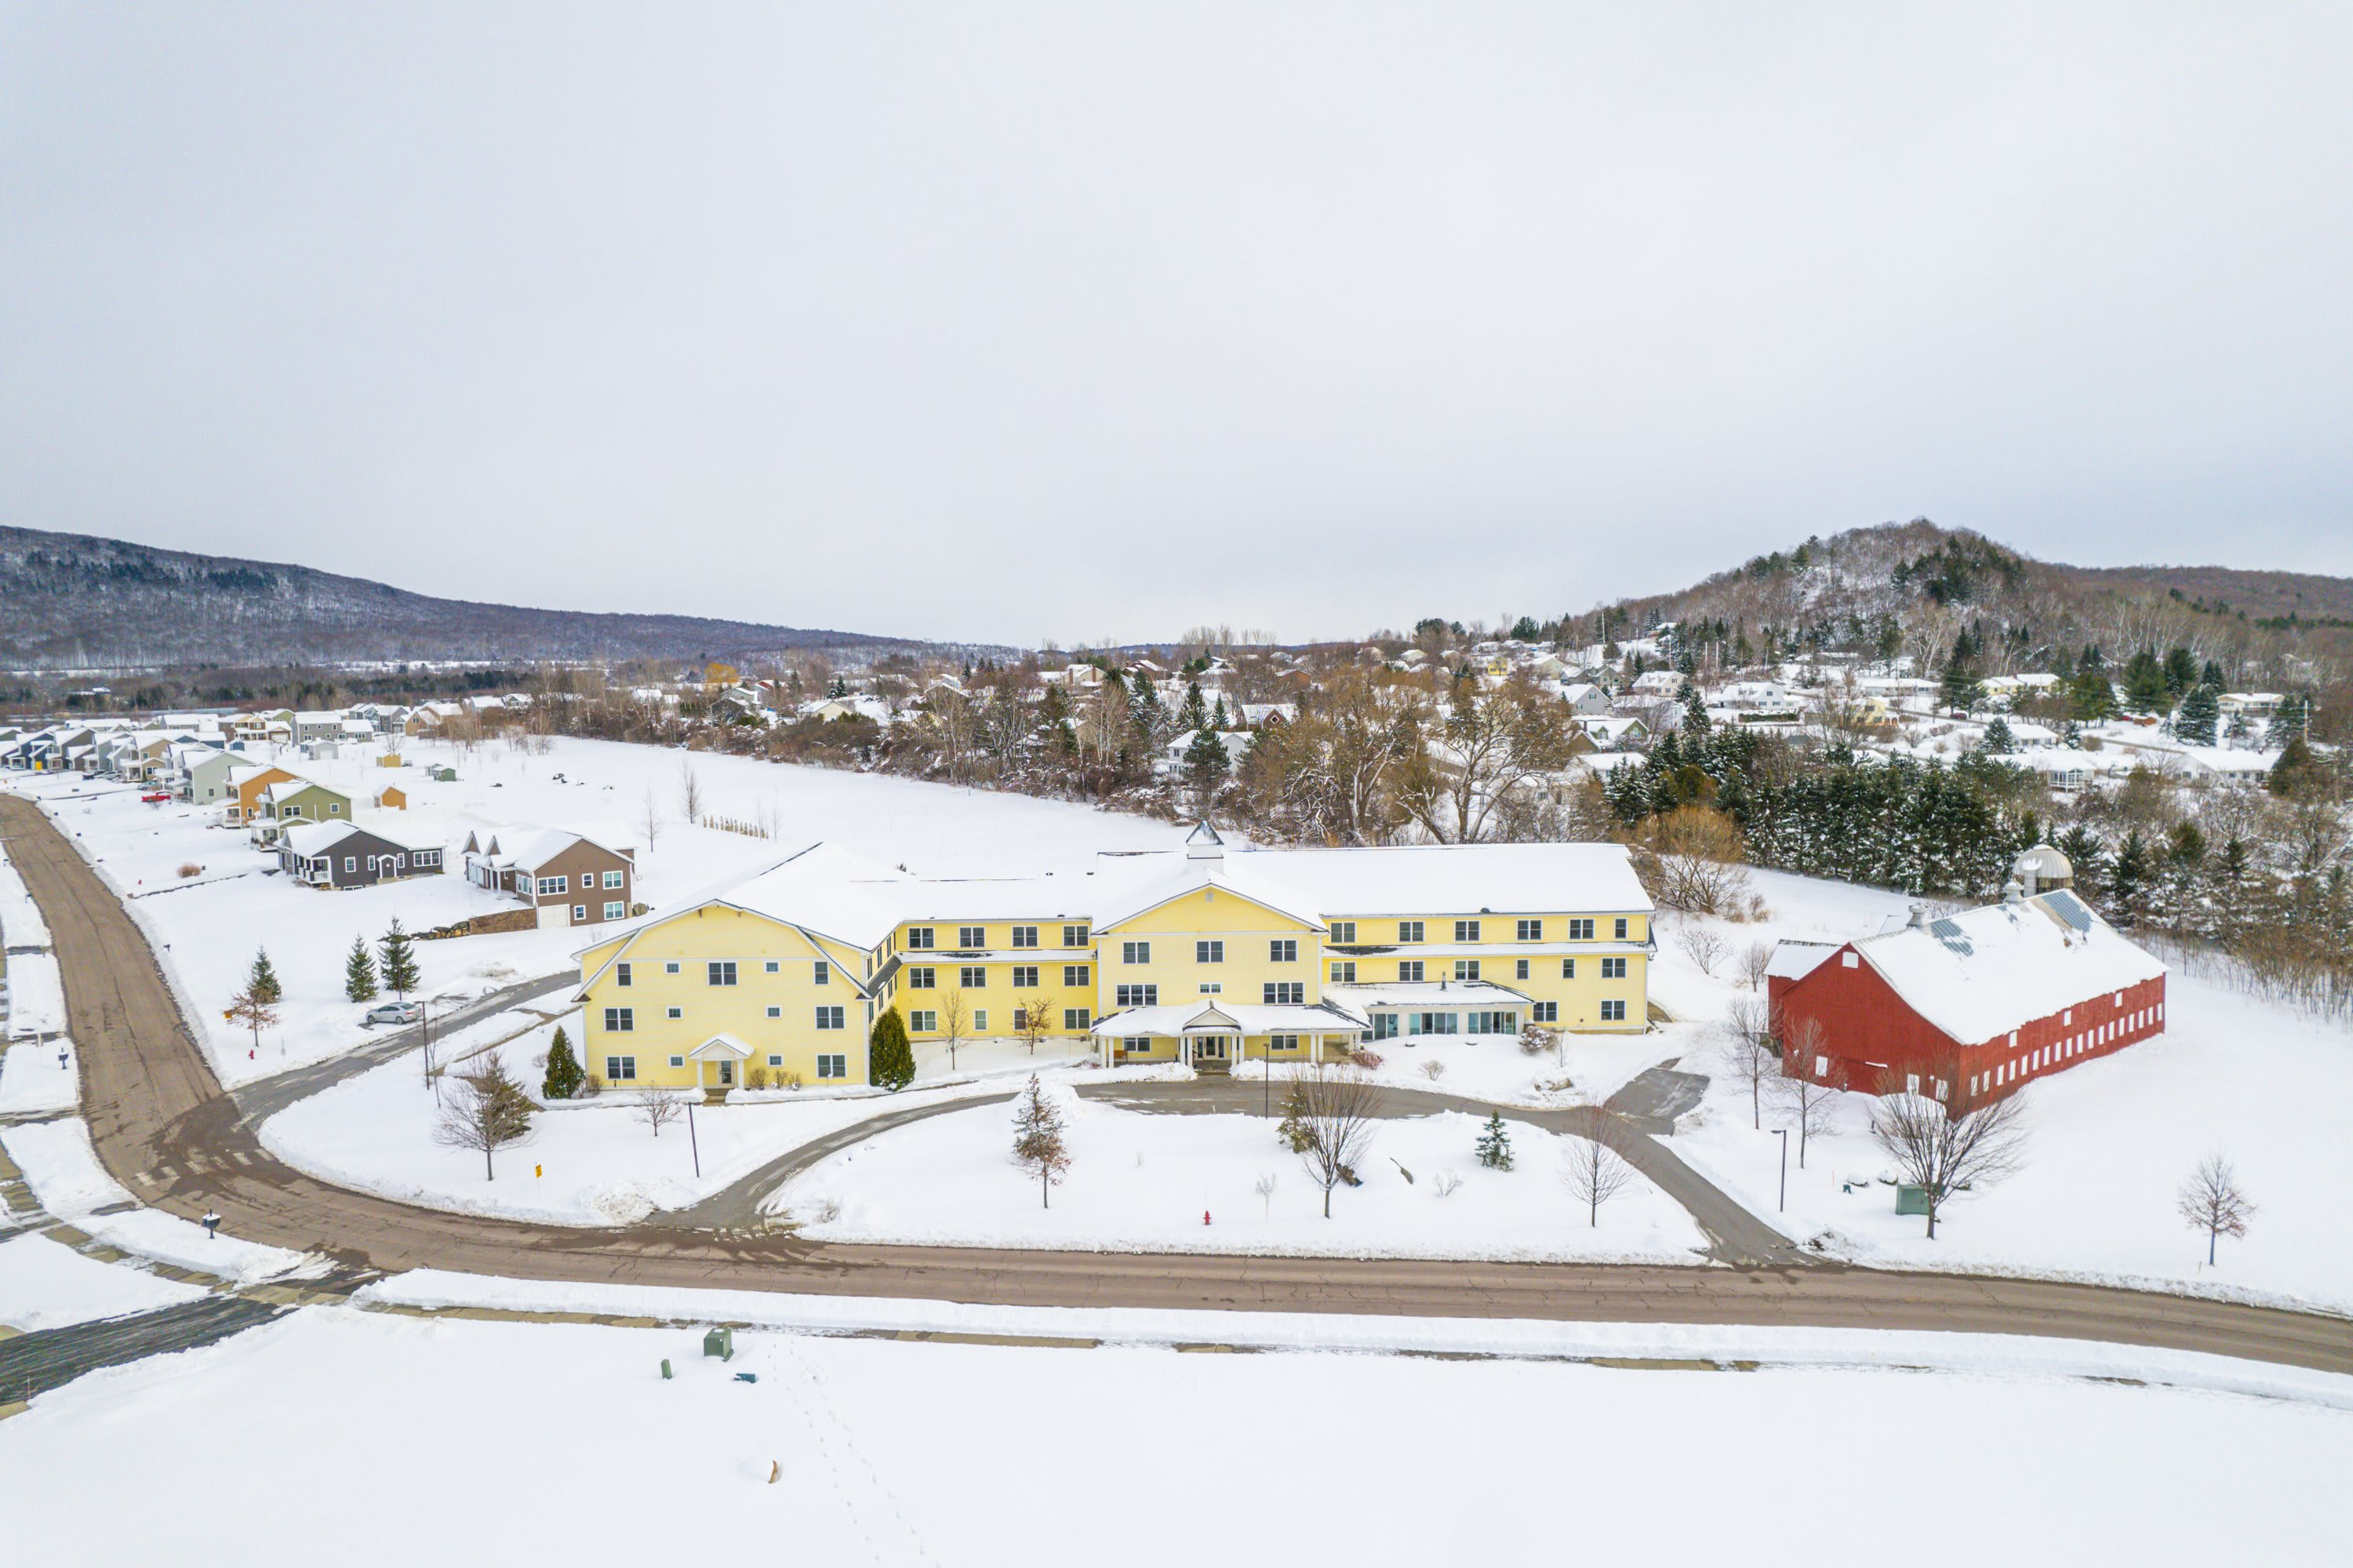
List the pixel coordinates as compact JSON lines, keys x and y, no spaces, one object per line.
{"x":1979,"y":974}
{"x":1794,"y":958}
{"x":1421,"y":994}
{"x":318,"y":838}
{"x":1215,"y":1014}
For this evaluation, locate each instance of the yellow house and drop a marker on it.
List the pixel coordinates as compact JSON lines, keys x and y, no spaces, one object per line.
{"x":1201,"y":957}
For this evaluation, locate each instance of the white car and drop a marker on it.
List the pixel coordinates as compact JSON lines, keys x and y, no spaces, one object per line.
{"x":394,"y":1013}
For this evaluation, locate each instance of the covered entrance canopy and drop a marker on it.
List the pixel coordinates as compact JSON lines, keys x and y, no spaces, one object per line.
{"x":715,"y":1061}
{"x":1219,"y":1033}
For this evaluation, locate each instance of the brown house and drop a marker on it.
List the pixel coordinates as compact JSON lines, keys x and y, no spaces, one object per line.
{"x":343,"y":854}
{"x":570,"y":880}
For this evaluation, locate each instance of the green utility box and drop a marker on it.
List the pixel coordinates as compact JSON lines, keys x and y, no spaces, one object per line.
{"x":720,"y":1342}
{"x":1911,"y":1200}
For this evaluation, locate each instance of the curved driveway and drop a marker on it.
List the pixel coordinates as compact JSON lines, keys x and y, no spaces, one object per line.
{"x":165,"y":1130}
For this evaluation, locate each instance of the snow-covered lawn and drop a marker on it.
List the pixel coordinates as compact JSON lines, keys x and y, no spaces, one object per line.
{"x":2110,"y":1142}
{"x":1585,"y":1070}
{"x":37,"y":998}
{"x":208,"y":927}
{"x":48,"y":1285}
{"x":591,"y":1162}
{"x":32,"y":1078}
{"x":900,"y":1453}
{"x":62,"y":1168}
{"x":1142,"y":1180}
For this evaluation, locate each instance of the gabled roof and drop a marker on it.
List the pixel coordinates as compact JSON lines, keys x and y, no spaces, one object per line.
{"x":1979,"y":974}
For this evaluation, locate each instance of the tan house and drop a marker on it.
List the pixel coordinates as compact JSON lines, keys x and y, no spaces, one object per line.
{"x":570,"y":880}
{"x":245,"y":789}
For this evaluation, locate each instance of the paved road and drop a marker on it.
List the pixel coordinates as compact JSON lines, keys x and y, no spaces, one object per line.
{"x":34,"y":1363}
{"x":163,"y":1127}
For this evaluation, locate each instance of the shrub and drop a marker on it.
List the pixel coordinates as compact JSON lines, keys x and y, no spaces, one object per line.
{"x":1433,"y":1070}
{"x":892,"y":1061}
{"x":192,"y":869}
{"x":756,"y":1077}
{"x":1368,"y":1060}
{"x":590,"y":1087}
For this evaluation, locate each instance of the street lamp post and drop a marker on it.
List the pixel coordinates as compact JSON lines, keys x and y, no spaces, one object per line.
{"x":690,"y":1142}
{"x":1783,"y":1134}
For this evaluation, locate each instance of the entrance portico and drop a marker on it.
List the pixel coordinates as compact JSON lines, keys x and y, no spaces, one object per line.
{"x":715,"y":1064}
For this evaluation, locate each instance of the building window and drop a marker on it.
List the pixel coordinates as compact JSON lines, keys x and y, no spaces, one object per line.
{"x":722,"y":971}
{"x":770,"y":966}
{"x":971,"y":938}
{"x":580,"y":914}
{"x":919,"y":936}
{"x":673,"y":1012}
{"x":1136,"y":952}
{"x":923,"y":979}
{"x":1282,"y":1042}
{"x":1622,"y":928}
{"x":614,"y":910}
{"x":670,"y":966}
{"x":1074,"y":936}
{"x":1075,"y":974}
{"x":677,"y":1061}
{"x":1466,"y":930}
{"x":1614,"y":969}
{"x":924,"y":1021}
{"x":1545,"y":1013}
{"x":1345,"y":933}
{"x":1209,"y":952}
{"x":620,"y":1019}
{"x":980,"y":1021}
{"x":1408,"y":930}
{"x":1075,"y":1019}
{"x":1139,"y":996}
{"x":1212,"y":988}
{"x":1466,"y":968}
{"x":1021,"y":1019}
{"x":775,"y":1060}
{"x":776,"y":1013}
{"x":1409,"y":970}
{"x":352,"y":861}
{"x":1345,"y":973}
{"x":547,"y":885}
{"x":1613,"y":1013}
{"x":973,"y":976}
{"x":612,"y":881}
{"x":821,"y":974}
{"x":1025,"y":977}
{"x":620,"y":1069}
{"x":620,"y":974}
{"x":1520,"y":969}
{"x":1024,"y":936}
{"x":1531,"y":931}
{"x":832,"y":1066}
{"x":1283,"y":950}
{"x":1580,"y":930}
{"x":829,"y":1018}
{"x":1286,"y":993}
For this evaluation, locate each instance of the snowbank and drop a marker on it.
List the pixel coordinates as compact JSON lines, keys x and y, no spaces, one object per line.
{"x":48,"y":1285}
{"x":31,"y":1079}
{"x":36,"y":996}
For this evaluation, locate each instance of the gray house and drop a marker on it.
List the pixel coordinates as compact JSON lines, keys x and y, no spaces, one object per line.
{"x":346,"y":854}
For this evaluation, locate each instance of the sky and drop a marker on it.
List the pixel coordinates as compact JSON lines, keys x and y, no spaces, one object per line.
{"x":1092,"y":323}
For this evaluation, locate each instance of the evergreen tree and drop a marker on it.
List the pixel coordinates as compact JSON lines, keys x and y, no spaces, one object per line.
{"x":2296,"y":771}
{"x":2129,"y":881}
{"x":2180,"y":671}
{"x":1217,"y":719}
{"x":263,"y":982}
{"x":840,"y":688}
{"x":890,"y":1060}
{"x":1998,"y":741}
{"x":1495,"y":1146}
{"x":2094,"y":695}
{"x":563,"y":1074}
{"x":396,"y":957}
{"x":1526,"y":629}
{"x":1148,"y":713}
{"x":2194,"y":723}
{"x":1194,"y":714}
{"x":1204,"y":762}
{"x":1695,"y":719}
{"x":358,"y":972}
{"x":2145,"y":688}
{"x":1962,"y":689}
{"x":2288,"y":722}
{"x":2212,"y":676}
{"x":2088,"y":856}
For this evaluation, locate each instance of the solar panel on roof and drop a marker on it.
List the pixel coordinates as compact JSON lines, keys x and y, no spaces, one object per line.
{"x":1951,"y":934}
{"x":2074,"y":914}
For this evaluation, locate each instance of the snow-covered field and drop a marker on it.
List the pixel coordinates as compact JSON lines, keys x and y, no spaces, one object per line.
{"x":37,"y":998}
{"x":529,"y":1442}
{"x":39,"y":1076}
{"x":208,"y":927}
{"x":1141,"y":1180}
{"x":48,"y":1285}
{"x":2110,"y":1142}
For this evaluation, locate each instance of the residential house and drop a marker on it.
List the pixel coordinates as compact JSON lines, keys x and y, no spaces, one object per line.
{"x":569,"y":879}
{"x":346,"y":854}
{"x":291,"y":802}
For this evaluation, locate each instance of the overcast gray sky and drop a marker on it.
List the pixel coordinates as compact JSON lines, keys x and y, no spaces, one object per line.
{"x":1011,"y":322}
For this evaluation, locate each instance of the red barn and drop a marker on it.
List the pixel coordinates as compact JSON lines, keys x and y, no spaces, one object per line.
{"x":1983,"y":1000}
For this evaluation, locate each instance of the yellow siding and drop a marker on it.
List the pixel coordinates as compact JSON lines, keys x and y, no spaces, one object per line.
{"x":1499,"y":952}
{"x":1174,"y":932}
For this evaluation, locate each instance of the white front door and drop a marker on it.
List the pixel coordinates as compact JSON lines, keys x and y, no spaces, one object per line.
{"x":1209,"y":1047}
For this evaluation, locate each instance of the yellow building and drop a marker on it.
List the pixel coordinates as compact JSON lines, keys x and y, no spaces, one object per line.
{"x":1202,"y":955}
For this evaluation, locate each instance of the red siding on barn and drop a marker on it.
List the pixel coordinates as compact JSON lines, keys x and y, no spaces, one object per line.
{"x":1867,"y":1029}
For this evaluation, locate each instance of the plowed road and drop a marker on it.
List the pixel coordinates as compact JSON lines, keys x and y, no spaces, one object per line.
{"x":154,"y":1106}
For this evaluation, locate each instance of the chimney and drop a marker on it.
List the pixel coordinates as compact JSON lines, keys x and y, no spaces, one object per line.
{"x":1919,"y":920}
{"x":2010,"y":892}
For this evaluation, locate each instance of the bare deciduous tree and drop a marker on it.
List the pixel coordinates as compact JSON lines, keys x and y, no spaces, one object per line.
{"x":1943,"y":1136}
{"x":1701,"y":946}
{"x":1807,"y":1102}
{"x":657,"y":1108}
{"x":1030,"y":1021}
{"x":652,"y":819}
{"x":2212,"y":1202}
{"x":1488,"y":747}
{"x":1037,"y":1145}
{"x":488,"y":1111}
{"x":251,"y":1008}
{"x":1267,"y":1184}
{"x":952,"y":1023}
{"x":690,"y":792}
{"x":1446,"y":1183}
{"x":1751,"y":1056}
{"x":1694,"y":855}
{"x":1754,"y":962}
{"x":1334,"y":1109}
{"x":1594,"y":1165}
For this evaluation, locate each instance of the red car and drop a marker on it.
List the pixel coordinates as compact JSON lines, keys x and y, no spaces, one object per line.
{"x":156,"y":799}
